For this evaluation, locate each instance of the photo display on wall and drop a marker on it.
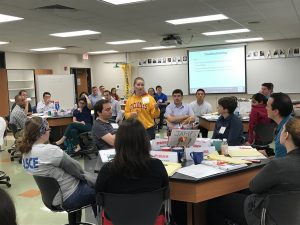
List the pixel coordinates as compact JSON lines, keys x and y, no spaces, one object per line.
{"x":163,"y":61}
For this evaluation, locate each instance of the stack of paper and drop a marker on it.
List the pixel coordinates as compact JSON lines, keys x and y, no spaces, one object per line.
{"x":244,"y":151}
{"x":199,"y":171}
{"x":223,"y":166}
{"x":171,"y":168}
{"x":227,"y":159}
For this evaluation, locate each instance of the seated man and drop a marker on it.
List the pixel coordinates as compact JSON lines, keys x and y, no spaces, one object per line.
{"x":94,"y":97}
{"x":179,"y":114}
{"x":27,"y":109}
{"x":279,"y":108}
{"x":18,"y":115}
{"x":162,"y":101}
{"x":201,"y":107}
{"x":228,"y":126}
{"x":116,"y":107}
{"x":46,"y":104}
{"x":102,"y":130}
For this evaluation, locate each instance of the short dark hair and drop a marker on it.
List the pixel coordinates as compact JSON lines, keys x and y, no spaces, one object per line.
{"x":46,"y":93}
{"x":101,"y":86}
{"x":270,"y":86}
{"x":107,"y":92}
{"x":21,"y":91}
{"x":132,"y":149}
{"x":259,"y":97}
{"x":94,"y":87}
{"x":158,"y":86}
{"x":177,"y":91}
{"x":228,"y":103}
{"x":16,"y":98}
{"x":200,"y":89}
{"x":82,"y":99}
{"x":283,"y":103}
{"x":98,"y":107}
{"x":7,"y":209}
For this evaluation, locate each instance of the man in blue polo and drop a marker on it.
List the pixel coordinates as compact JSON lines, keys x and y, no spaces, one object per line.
{"x":179,"y":114}
{"x":162,"y":101}
{"x":279,"y":108}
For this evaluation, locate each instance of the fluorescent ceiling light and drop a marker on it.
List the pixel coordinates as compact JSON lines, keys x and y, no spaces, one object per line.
{"x":102,"y":52}
{"x":47,"y":49}
{"x":75,"y":33}
{"x":7,"y":18}
{"x":3,"y":42}
{"x":198,"y":19}
{"x":121,"y":2}
{"x":245,"y":40}
{"x":226,"y":32}
{"x":125,"y":42}
{"x":159,"y":47}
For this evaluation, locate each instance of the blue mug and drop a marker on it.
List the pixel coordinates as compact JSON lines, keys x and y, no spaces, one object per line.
{"x":197,"y":157}
{"x":180,"y":153}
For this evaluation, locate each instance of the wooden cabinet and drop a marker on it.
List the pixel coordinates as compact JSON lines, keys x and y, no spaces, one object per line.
{"x":4,"y":105}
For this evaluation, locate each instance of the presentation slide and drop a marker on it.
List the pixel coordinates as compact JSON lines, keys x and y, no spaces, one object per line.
{"x":218,"y":70}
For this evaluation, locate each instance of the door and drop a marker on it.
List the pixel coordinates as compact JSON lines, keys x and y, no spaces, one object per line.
{"x":82,"y":78}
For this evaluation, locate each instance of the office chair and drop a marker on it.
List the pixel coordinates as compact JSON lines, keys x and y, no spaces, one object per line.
{"x":14,"y":154}
{"x":134,"y":209}
{"x":33,"y":108}
{"x":4,"y":177}
{"x":281,"y":209}
{"x":49,"y":187}
{"x":265,"y":132}
{"x":87,"y":145}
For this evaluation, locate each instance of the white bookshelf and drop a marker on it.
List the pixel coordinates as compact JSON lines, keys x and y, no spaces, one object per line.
{"x":21,"y":80}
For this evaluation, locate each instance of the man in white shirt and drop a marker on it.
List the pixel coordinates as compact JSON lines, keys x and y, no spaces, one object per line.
{"x":94,"y":97}
{"x":46,"y":104}
{"x":117,"y":114}
{"x":201,"y":107}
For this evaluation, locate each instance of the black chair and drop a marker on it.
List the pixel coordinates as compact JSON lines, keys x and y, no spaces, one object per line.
{"x":134,"y":209}
{"x":14,"y":153}
{"x":265,"y":132}
{"x":49,"y":187}
{"x":87,"y":145}
{"x":281,"y":209}
{"x":4,"y":179}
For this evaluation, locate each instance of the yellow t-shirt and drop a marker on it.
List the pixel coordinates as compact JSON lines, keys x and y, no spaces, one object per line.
{"x":145,"y":107}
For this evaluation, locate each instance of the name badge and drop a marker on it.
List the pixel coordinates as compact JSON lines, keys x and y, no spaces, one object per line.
{"x":145,"y":100}
{"x":222,"y":130}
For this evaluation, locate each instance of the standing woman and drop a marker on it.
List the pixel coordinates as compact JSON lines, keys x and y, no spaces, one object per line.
{"x":82,"y":122}
{"x":114,"y":94}
{"x":143,"y":107}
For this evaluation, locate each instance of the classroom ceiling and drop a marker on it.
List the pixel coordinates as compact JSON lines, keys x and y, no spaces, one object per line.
{"x":270,"y":19}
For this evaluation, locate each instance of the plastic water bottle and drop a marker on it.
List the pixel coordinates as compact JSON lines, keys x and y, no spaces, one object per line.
{"x":224,"y":147}
{"x":56,"y":104}
{"x":157,"y":136}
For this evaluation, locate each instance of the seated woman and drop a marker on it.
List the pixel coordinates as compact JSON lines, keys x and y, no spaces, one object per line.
{"x":132,"y":170}
{"x":278,"y":176}
{"x":114,"y":94}
{"x":48,"y":160}
{"x":7,"y":209}
{"x":258,"y":115}
{"x":228,"y":126}
{"x":151,"y":92}
{"x":82,"y":122}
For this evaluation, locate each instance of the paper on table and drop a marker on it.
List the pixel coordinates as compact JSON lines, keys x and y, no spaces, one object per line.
{"x":171,"y":168}
{"x":227,"y":159}
{"x":243,"y":151}
{"x":199,"y":171}
{"x":223,"y":166}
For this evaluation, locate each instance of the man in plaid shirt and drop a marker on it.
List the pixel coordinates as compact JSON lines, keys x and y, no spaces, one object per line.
{"x":18,"y":115}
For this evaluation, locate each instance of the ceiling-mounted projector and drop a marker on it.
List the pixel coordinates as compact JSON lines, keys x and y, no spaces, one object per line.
{"x":171,"y":40}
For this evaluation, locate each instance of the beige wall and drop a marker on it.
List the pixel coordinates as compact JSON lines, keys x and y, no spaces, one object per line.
{"x":104,"y":73}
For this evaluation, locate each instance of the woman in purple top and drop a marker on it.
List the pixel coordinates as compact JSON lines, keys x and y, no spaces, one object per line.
{"x":82,"y":122}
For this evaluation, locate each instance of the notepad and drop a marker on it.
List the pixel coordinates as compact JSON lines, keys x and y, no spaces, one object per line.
{"x":199,"y":171}
{"x":243,"y":151}
{"x":171,"y":168}
{"x":227,"y":159}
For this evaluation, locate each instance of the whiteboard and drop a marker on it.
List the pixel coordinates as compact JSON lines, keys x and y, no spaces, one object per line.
{"x":61,"y":87}
{"x":170,"y":77}
{"x":284,"y":73}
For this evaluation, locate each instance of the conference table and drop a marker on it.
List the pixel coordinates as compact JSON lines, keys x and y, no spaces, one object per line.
{"x":209,"y":123}
{"x":195,"y":192}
